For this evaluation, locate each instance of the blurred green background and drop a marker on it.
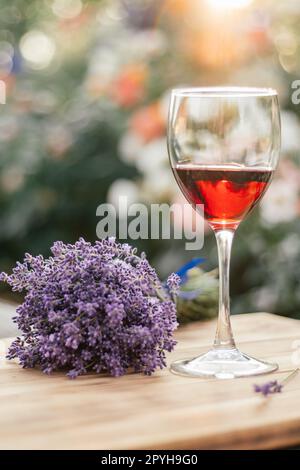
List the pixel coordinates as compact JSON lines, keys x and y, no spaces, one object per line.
{"x":87,"y":87}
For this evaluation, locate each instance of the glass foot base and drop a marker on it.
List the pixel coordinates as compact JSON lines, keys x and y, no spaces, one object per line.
{"x":222,"y":364}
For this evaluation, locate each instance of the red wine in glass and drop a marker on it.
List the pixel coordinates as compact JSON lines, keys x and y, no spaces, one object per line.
{"x":227,"y":192}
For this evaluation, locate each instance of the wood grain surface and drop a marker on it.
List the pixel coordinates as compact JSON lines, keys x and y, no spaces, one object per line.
{"x":162,"y":411}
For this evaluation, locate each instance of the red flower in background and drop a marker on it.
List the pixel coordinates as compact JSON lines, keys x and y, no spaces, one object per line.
{"x":148,"y":122}
{"x":128,"y":88}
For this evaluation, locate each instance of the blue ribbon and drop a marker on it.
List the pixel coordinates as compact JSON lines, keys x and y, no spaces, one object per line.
{"x":182,"y":272}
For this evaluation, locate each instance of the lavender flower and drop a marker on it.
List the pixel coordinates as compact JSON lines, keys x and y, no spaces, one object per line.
{"x":92,"y":307}
{"x":274,"y":386}
{"x":268,"y":388}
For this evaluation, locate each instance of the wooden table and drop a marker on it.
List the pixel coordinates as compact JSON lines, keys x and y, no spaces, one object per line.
{"x":162,"y":411}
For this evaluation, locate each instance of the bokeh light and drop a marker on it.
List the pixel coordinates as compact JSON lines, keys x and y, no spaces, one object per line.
{"x":67,"y":9}
{"x":38,"y":49}
{"x":228,"y":4}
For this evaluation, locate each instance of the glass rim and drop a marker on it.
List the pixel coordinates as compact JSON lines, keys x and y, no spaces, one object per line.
{"x":224,"y":92}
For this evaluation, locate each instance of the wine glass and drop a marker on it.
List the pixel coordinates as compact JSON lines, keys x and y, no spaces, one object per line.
{"x":224,"y":146}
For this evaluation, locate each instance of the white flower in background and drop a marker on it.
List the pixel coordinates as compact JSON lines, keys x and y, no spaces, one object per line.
{"x":264,"y":298}
{"x":127,"y":45}
{"x":291,"y":7}
{"x":158,"y":186}
{"x":12,"y":178}
{"x":122,"y":188}
{"x":59,"y":140}
{"x":261,"y":73}
{"x":104,"y":64}
{"x":152,"y":157}
{"x":290,"y":246}
{"x":147,"y":43}
{"x":289,"y":171}
{"x":130,"y":147}
{"x":281,"y":203}
{"x":110,"y":17}
{"x":164,"y":103}
{"x":290,"y":132}
{"x":9,"y":127}
{"x":67,"y":9}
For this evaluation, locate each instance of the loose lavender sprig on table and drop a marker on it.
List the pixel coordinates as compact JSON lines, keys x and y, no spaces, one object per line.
{"x":274,"y":386}
{"x":92,"y":307}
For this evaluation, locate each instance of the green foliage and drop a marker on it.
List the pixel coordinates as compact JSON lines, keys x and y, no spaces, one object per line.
{"x":204,"y":304}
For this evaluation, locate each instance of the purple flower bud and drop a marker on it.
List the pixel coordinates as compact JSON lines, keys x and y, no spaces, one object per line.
{"x":268,"y":388}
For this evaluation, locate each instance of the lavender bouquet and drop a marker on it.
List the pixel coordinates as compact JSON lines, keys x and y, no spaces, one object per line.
{"x":92,"y":307}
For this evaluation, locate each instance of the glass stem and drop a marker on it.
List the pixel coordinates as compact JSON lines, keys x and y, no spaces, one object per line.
{"x":224,"y":337}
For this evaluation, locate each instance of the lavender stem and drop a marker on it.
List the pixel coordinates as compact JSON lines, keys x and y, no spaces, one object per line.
{"x":290,"y":376}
